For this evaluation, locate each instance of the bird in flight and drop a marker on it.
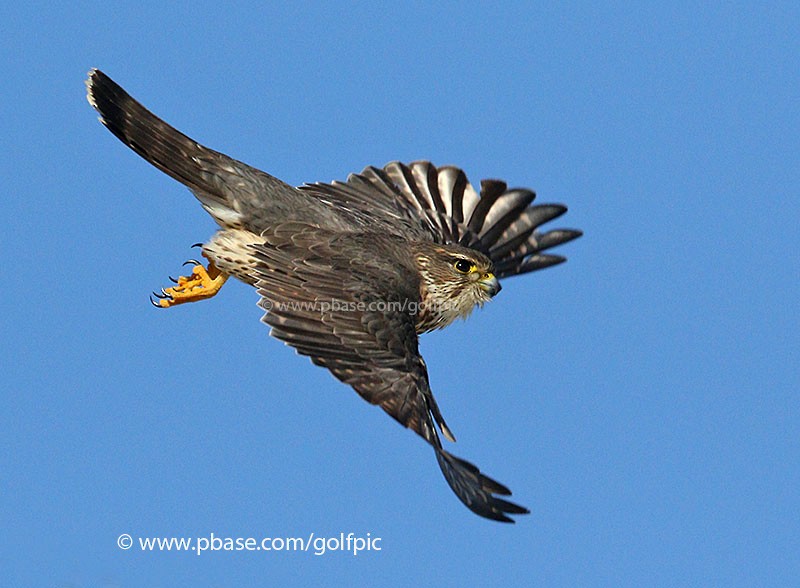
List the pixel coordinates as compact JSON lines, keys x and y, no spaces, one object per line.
{"x":351,"y":273}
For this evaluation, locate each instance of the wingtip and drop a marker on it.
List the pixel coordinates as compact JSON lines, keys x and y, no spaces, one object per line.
{"x":477,"y":491}
{"x":89,"y":84}
{"x":93,"y":82}
{"x":91,"y":76}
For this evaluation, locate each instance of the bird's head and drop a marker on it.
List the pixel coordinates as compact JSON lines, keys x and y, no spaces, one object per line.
{"x":453,"y":280}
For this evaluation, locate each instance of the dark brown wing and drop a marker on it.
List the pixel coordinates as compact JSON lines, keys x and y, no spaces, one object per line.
{"x":500,"y":222}
{"x":347,"y":302}
{"x":234,"y":193}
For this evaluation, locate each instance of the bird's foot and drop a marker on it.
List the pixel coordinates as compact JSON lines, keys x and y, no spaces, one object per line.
{"x":202,"y":283}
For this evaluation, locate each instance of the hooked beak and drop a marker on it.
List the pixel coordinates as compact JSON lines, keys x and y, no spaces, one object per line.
{"x":490,"y":284}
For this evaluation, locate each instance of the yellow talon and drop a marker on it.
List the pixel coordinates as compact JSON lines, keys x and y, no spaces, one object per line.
{"x":202,"y":283}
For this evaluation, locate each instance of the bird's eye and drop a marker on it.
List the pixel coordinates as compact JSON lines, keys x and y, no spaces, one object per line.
{"x":463,"y":266}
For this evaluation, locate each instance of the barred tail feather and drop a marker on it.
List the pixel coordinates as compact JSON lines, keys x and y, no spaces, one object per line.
{"x":503,"y":223}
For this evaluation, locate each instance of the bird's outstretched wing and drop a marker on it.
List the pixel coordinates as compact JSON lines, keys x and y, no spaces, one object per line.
{"x":417,"y":201}
{"x":346,"y":305}
{"x":442,"y":205}
{"x":234,"y":193}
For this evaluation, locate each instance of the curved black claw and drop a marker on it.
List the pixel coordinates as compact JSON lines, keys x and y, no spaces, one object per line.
{"x":173,"y":280}
{"x":163,"y":295}
{"x":197,"y":245}
{"x":154,"y":303}
{"x":192,"y":262}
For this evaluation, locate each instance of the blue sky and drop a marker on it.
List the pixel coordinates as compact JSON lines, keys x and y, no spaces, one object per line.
{"x":641,"y":399}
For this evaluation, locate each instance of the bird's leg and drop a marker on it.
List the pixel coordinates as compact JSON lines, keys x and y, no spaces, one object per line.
{"x":202,"y":283}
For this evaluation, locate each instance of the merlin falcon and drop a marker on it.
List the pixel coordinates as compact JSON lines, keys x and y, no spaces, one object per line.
{"x":351,"y":273}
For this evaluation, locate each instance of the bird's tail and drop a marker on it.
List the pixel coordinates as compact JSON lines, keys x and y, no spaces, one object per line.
{"x":500,"y":222}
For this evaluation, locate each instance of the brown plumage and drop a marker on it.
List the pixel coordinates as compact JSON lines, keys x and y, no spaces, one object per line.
{"x":349,"y":273}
